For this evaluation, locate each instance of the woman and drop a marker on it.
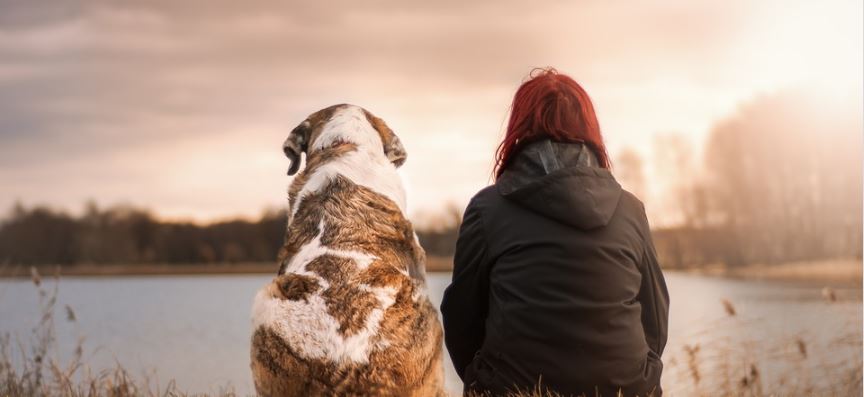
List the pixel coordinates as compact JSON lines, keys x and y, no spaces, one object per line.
{"x":556,"y":281}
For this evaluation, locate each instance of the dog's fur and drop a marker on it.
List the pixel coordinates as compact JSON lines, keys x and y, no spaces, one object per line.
{"x":348,"y":312}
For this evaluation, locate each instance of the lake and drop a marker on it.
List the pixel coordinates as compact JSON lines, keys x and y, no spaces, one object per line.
{"x":195,"y":329}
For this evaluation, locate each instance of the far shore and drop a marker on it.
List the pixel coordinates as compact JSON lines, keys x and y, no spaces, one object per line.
{"x":433,"y":264}
{"x":834,"y":272}
{"x":13,"y":271}
{"x":838,"y":272}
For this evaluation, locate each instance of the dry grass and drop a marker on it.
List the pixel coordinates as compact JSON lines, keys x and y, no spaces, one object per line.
{"x":732,"y":364}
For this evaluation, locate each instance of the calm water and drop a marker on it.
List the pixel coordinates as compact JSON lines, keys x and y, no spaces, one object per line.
{"x":195,"y":329}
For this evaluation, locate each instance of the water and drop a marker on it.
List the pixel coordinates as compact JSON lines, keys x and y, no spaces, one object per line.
{"x":195,"y":329}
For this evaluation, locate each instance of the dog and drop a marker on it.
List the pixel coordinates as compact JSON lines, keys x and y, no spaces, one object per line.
{"x":348,"y":312}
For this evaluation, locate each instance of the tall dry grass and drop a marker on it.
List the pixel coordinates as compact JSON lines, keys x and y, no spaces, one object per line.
{"x":725,"y":359}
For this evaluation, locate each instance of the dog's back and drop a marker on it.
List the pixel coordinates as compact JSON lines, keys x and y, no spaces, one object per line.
{"x":348,"y":313}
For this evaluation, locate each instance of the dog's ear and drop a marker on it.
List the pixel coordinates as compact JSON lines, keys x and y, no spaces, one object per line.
{"x":395,"y":151}
{"x":393,"y":148}
{"x":297,"y":143}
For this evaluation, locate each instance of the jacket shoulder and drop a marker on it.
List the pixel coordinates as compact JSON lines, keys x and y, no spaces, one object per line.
{"x":630,"y":200}
{"x":484,"y":198}
{"x":634,"y":209}
{"x":482,"y":203}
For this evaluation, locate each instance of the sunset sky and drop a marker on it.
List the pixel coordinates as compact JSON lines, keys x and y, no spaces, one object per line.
{"x":182,"y":106}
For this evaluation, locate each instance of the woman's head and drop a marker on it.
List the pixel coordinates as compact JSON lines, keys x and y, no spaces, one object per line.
{"x":550,"y":105}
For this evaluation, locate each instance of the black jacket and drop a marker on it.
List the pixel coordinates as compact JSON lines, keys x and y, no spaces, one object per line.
{"x":556,"y":281}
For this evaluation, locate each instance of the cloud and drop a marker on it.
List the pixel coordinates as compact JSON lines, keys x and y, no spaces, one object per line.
{"x":91,"y":86}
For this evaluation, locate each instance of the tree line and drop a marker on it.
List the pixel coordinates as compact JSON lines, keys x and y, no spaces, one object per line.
{"x":128,"y":235}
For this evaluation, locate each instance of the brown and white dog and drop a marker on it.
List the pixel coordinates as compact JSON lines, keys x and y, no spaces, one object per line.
{"x":348,"y":312}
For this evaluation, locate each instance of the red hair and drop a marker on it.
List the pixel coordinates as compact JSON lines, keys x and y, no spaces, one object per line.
{"x":550,"y":105}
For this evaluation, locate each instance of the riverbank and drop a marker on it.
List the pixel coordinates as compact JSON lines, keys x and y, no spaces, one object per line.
{"x":836,"y":272}
{"x":433,"y":264}
{"x":833,"y":272}
{"x":17,"y":271}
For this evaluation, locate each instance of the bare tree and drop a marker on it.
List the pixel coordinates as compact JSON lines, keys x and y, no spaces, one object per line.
{"x":785,"y":179}
{"x":675,"y":162}
{"x":630,"y":172}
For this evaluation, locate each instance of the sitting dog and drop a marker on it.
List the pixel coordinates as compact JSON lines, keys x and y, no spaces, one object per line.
{"x":348,"y":312}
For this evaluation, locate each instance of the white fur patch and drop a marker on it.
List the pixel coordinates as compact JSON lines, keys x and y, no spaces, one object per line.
{"x":312,"y":333}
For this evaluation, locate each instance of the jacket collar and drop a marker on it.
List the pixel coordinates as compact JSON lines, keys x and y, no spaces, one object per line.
{"x":562,"y":181}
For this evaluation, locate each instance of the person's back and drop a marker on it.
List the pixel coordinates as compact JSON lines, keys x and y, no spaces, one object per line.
{"x":556,"y":282}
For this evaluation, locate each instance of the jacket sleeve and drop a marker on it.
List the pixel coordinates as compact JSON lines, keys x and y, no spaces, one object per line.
{"x":465,"y":303}
{"x":654,"y":298}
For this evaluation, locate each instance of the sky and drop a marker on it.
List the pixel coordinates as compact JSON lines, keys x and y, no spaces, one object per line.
{"x":182,"y":107}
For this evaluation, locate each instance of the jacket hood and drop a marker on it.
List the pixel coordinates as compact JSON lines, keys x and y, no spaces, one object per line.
{"x":562,"y":181}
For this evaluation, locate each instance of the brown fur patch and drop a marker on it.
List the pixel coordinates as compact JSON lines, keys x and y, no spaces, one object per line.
{"x":370,"y":222}
{"x":392,"y":147}
{"x":384,"y":131}
{"x":346,"y":302}
{"x":301,"y":233}
{"x":296,"y":286}
{"x":381,"y":274}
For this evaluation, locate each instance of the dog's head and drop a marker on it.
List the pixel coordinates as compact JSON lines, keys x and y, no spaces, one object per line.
{"x":342,"y":124}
